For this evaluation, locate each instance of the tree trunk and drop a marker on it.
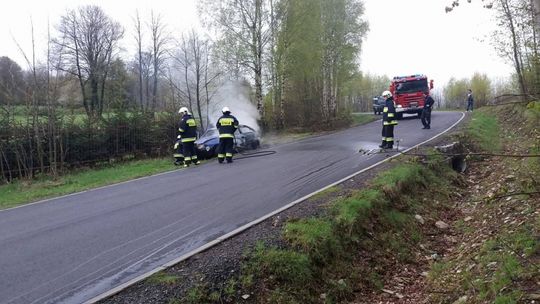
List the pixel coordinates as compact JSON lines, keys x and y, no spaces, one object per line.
{"x":515,"y":47}
{"x":257,"y":42}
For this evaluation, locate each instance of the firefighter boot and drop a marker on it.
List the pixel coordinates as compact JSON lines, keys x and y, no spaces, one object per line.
{"x":178,"y":162}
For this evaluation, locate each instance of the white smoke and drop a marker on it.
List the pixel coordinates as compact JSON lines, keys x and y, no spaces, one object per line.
{"x":235,"y":96}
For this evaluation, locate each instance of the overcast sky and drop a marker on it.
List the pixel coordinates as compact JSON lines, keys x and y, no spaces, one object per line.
{"x":405,"y":37}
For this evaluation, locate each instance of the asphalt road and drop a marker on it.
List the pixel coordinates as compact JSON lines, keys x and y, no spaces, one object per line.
{"x":70,"y":249}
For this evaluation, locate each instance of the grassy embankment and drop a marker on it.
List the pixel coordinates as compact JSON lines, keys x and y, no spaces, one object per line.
{"x":499,"y":252}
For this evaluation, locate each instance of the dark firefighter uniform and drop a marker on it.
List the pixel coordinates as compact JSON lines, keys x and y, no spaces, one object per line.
{"x":188,"y":132}
{"x":226,"y":125}
{"x":178,"y":153}
{"x":389,"y":121}
{"x":426,"y":112}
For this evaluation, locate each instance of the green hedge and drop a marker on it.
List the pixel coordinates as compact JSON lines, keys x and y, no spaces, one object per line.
{"x":122,"y":136}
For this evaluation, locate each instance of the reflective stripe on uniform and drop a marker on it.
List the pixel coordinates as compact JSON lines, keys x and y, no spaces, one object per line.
{"x":189,"y":139}
{"x":221,"y":155}
{"x":228,"y":154}
{"x":187,"y":158}
{"x":180,"y":129}
{"x":226,"y":121}
{"x":178,"y":155}
{"x":191,"y":122}
{"x":176,"y":145}
{"x":226,"y":135}
{"x":385,"y":109}
{"x":390,"y":114}
{"x":393,"y":122}
{"x":389,"y":139}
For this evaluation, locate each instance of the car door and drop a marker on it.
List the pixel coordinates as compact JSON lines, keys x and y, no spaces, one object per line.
{"x":250,"y":135}
{"x":240,"y":139}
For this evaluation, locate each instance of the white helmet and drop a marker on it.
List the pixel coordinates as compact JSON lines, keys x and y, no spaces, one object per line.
{"x":225,"y":110}
{"x":183,"y":110}
{"x":386,"y":94}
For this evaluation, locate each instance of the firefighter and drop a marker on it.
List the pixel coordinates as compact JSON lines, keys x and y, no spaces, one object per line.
{"x":178,"y":153}
{"x":188,"y":133}
{"x":226,"y":125}
{"x":426,"y":111}
{"x":389,"y":121}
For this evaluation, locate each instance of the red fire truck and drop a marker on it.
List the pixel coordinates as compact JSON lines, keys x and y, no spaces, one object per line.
{"x":407,"y":93}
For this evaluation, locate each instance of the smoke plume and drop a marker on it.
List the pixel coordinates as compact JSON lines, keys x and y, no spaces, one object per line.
{"x":235,"y":96}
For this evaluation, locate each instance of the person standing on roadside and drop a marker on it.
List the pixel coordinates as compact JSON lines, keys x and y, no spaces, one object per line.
{"x":426,"y":111}
{"x":470,"y":101}
{"x":226,"y":125}
{"x":389,"y":121}
{"x":188,"y":135}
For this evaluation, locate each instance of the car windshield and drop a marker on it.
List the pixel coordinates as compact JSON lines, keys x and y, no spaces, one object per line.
{"x":210,"y":133}
{"x":245,"y":129}
{"x":412,"y":86}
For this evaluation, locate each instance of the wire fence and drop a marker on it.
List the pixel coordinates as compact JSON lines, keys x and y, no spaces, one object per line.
{"x":52,"y":145}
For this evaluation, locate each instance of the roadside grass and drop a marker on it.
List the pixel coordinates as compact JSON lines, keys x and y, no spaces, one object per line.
{"x":532,"y":113}
{"x":484,"y":132}
{"x":162,"y":278}
{"x":316,"y":260}
{"x":362,"y":118}
{"x":502,"y":262}
{"x":326,"y":193}
{"x":25,"y":191}
{"x":377,"y":217}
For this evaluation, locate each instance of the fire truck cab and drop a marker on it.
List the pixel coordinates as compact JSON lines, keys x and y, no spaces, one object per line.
{"x":407,"y":92}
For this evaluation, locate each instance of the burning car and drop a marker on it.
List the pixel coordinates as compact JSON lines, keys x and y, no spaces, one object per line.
{"x":245,"y":138}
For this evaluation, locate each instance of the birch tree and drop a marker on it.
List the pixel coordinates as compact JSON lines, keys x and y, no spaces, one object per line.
{"x":244,"y":27}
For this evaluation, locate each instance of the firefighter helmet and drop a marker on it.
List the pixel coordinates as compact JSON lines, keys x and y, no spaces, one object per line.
{"x":225,"y":110}
{"x":386,"y":94}
{"x":183,"y":110}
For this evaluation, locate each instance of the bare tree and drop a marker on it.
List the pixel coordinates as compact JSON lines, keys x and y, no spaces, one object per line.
{"x":88,"y":42}
{"x":196,"y":74}
{"x":160,"y":40}
{"x":138,"y":39}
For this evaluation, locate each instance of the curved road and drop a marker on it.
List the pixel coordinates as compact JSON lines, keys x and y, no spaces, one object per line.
{"x":72,"y":248}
